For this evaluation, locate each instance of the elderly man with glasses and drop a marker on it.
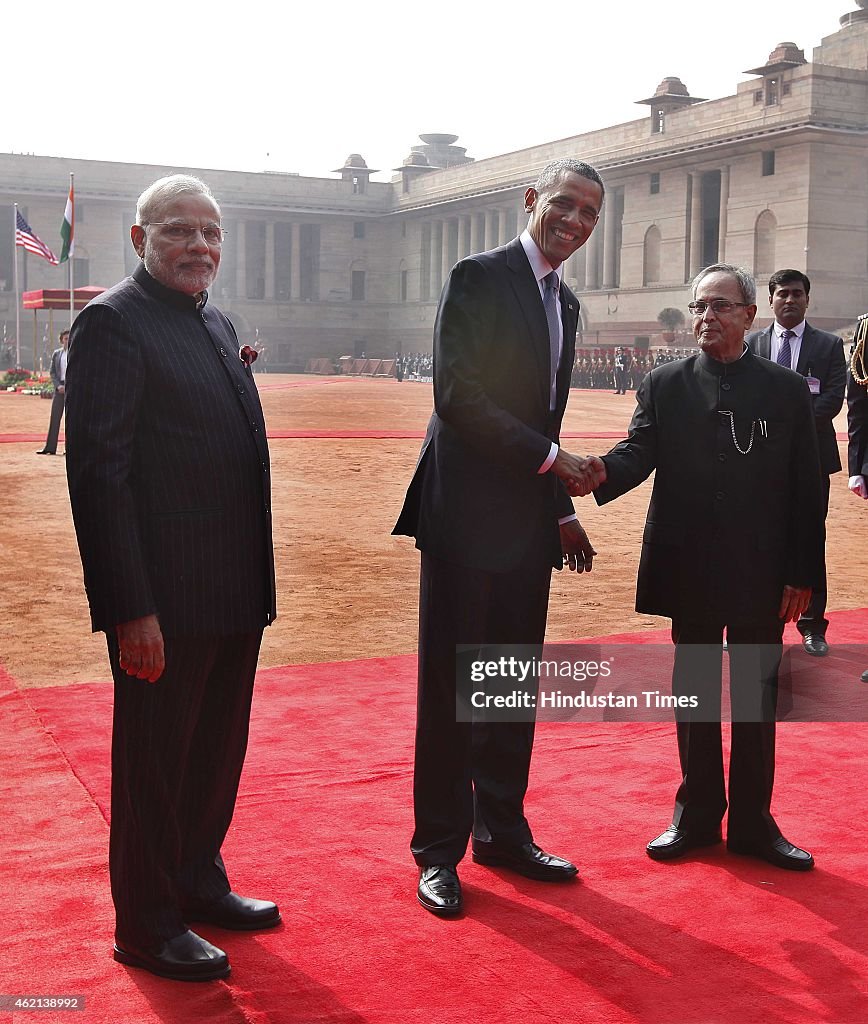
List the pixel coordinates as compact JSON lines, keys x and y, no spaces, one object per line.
{"x":169,"y":483}
{"x":733,"y":542}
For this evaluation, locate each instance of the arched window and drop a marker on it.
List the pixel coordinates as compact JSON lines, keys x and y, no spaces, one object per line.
{"x":651,"y":261}
{"x":765,"y":233}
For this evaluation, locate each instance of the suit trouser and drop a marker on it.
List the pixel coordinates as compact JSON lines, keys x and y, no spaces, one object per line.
{"x":178,"y":747}
{"x":754,"y":651}
{"x":470,"y":775}
{"x":814,"y":620}
{"x":57,"y":403}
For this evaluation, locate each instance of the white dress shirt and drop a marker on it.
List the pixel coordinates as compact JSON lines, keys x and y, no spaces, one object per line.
{"x":795,"y":342}
{"x":541,"y":269}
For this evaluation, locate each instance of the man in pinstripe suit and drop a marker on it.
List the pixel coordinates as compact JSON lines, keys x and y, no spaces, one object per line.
{"x":169,"y":483}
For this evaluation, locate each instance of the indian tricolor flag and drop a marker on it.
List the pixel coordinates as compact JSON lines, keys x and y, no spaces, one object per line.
{"x":67,"y":229}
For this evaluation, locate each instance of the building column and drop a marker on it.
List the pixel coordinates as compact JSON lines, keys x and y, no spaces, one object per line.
{"x":509,"y":224}
{"x":724,"y":204}
{"x":695,"y":225}
{"x":609,"y":254}
{"x":574,"y":269}
{"x":436,"y":257}
{"x":493,"y":229}
{"x":463,"y":237}
{"x":445,"y":264}
{"x":453,"y":253}
{"x":269,"y":260}
{"x":592,"y":259}
{"x":241,"y":260}
{"x":477,"y":232}
{"x":522,"y":217}
{"x":295,"y":262}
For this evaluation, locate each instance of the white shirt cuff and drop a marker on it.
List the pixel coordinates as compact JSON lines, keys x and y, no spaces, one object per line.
{"x":549,"y":462}
{"x":567,"y":519}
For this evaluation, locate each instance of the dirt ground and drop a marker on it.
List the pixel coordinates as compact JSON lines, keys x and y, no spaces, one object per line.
{"x":346,"y":588}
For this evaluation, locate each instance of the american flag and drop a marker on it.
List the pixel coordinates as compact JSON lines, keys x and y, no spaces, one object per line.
{"x":27,"y":239}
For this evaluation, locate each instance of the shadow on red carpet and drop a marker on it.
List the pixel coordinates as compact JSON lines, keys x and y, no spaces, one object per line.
{"x":322,"y":825}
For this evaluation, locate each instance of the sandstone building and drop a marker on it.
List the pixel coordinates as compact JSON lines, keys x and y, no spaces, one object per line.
{"x":774,"y":175}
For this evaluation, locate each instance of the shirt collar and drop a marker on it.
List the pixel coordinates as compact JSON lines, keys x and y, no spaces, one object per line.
{"x":168,"y":295}
{"x":538,"y":263}
{"x":798,"y":330}
{"x":719,"y":369}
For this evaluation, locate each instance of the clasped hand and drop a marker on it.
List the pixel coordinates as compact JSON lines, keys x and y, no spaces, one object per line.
{"x":579,"y":476}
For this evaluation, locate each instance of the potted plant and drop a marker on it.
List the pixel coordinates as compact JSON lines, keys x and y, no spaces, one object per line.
{"x":670,"y":319}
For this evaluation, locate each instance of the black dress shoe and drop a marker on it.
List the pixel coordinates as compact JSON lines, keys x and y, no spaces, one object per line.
{"x":439,"y":890}
{"x":187,"y":957}
{"x":864,"y":676}
{"x":238,"y":913}
{"x":674,"y":842}
{"x":815,"y":644}
{"x":45,"y":451}
{"x":527,"y":859}
{"x":781,"y":853}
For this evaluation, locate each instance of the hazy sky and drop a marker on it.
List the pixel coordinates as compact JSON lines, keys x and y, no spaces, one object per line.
{"x":299,"y":86}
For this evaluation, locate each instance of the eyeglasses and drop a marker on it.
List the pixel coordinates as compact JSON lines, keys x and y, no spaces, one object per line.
{"x":178,"y":231}
{"x":718,"y":307}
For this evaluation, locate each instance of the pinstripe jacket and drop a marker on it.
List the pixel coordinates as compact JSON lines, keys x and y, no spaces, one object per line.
{"x":168,"y":467}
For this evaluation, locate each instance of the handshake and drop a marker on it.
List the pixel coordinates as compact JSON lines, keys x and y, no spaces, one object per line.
{"x":580,"y":476}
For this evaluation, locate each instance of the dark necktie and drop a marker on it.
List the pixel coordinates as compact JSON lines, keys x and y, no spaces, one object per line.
{"x":785,"y":357}
{"x":550,"y":301}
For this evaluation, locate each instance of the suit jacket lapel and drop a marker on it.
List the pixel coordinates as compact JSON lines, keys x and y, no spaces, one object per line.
{"x":765,"y":343}
{"x":527,"y":291}
{"x":569,"y":320}
{"x":806,"y":351}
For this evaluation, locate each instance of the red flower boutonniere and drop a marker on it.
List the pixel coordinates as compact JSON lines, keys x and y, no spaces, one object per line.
{"x":248,"y":355}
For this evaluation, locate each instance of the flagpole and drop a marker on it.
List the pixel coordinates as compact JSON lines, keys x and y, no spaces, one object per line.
{"x":72,"y":246}
{"x":17,"y":299}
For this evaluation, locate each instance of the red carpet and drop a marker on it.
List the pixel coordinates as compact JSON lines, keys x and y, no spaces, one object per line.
{"x":322,"y":825}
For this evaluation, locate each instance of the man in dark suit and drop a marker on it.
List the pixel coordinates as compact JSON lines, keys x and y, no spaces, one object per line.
{"x":58,"y":379}
{"x":489,"y":508}
{"x":819,"y":358}
{"x":168,"y":472}
{"x":857,"y":417}
{"x":733,"y":541}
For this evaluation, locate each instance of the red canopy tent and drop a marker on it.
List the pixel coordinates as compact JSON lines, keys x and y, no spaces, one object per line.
{"x":58,"y":298}
{"x":55,"y":298}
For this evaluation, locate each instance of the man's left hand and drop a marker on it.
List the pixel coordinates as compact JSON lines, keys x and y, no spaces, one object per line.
{"x":578,"y":550}
{"x":794,"y":603}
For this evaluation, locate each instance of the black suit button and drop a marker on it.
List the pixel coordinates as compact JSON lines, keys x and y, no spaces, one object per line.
{"x":240,"y":390}
{"x":719,"y":496}
{"x":223,"y":352}
{"x":725,"y":386}
{"x":722,"y":457}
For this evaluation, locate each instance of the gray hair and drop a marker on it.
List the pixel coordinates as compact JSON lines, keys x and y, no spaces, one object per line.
{"x":746,"y":282}
{"x":551,"y":174}
{"x":165,"y":189}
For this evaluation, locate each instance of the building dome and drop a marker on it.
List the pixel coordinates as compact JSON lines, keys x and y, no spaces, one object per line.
{"x":416,"y":160}
{"x":439,"y":139}
{"x":788,"y":52}
{"x":671,"y":86}
{"x":355,"y":160}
